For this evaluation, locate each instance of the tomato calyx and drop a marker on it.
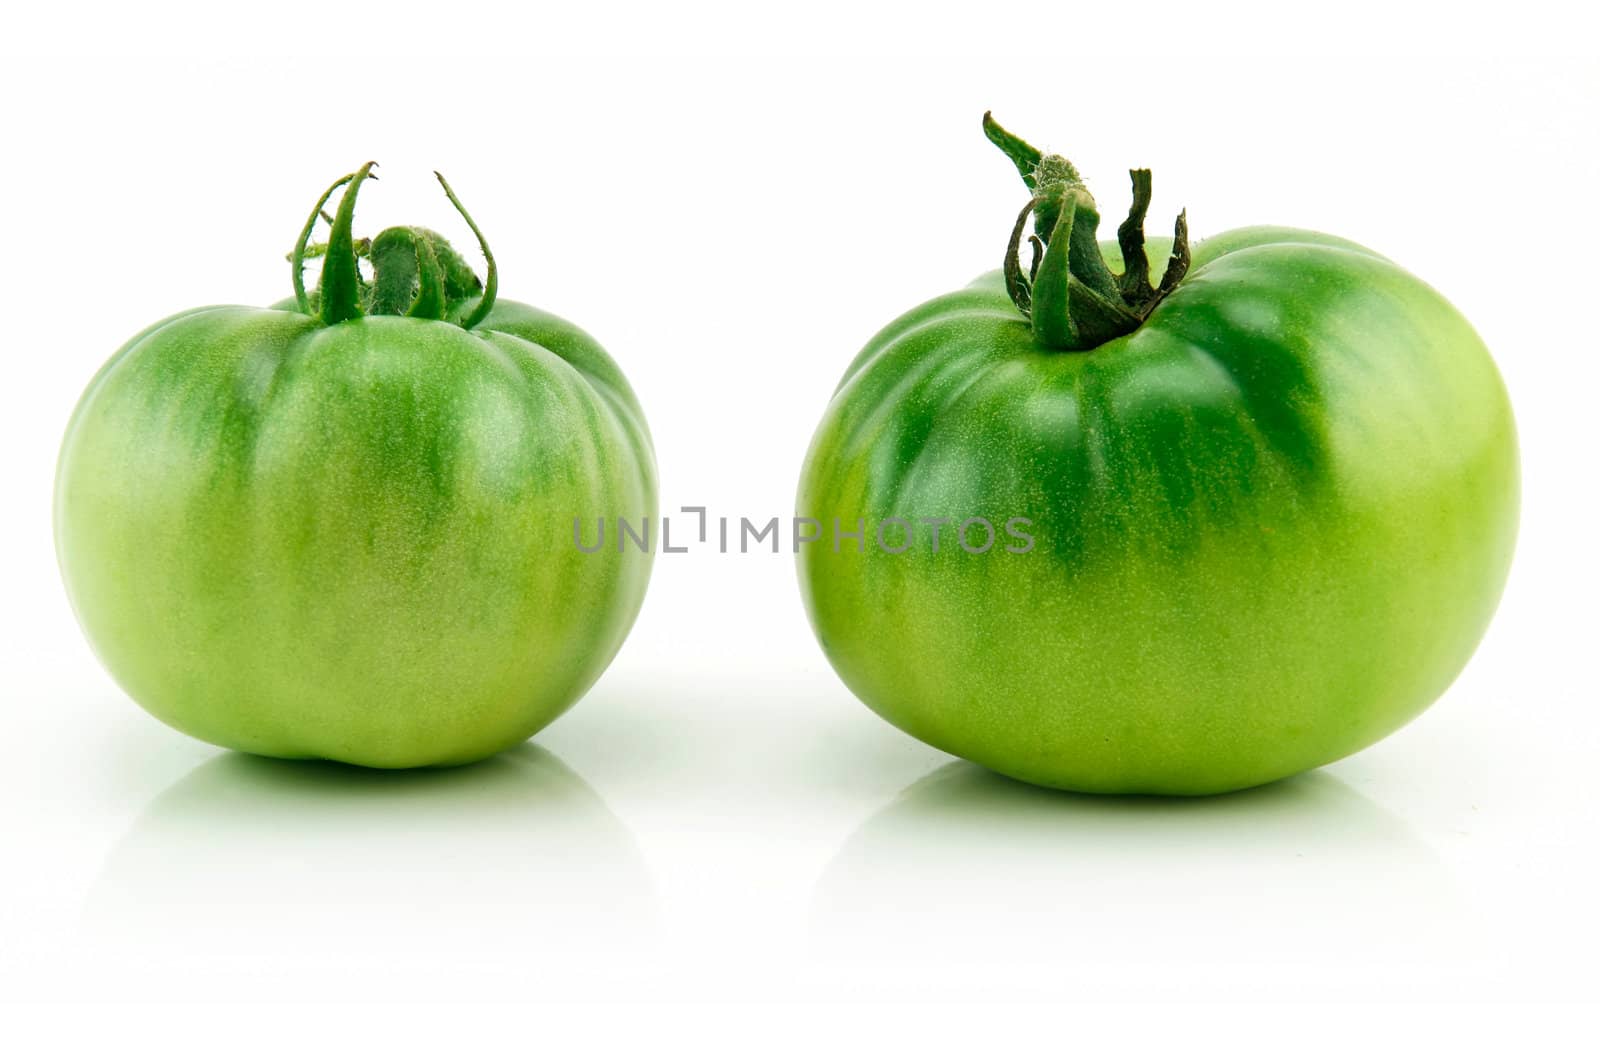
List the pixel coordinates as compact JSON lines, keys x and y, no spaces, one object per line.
{"x":1068,"y":293}
{"x":415,"y":270}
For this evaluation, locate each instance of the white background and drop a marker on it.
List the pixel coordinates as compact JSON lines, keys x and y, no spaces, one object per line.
{"x":733,"y":214}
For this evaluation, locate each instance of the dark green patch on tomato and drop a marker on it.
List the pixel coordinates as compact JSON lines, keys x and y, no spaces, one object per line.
{"x":1272,"y":490}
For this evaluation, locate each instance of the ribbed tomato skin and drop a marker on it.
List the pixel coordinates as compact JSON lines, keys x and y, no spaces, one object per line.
{"x":354,"y":542}
{"x":1270,"y":526}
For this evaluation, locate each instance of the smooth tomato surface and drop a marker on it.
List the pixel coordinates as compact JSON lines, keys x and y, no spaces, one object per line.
{"x":354,"y":540}
{"x":1271,"y":524}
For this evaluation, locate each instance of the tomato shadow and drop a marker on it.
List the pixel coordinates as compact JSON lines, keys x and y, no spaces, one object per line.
{"x":247,"y":854}
{"x":967,"y":862}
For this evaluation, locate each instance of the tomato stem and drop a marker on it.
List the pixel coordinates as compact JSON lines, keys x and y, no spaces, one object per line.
{"x":1135,"y":280}
{"x":415,"y":270}
{"x":297,"y":259}
{"x":1023,"y":155}
{"x":491,"y":282}
{"x":1069,"y":294}
{"x":341,"y":279}
{"x":407,"y":279}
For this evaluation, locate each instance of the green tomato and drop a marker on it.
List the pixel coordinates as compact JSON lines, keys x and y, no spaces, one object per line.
{"x":344,"y":528}
{"x":1272,"y":502}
